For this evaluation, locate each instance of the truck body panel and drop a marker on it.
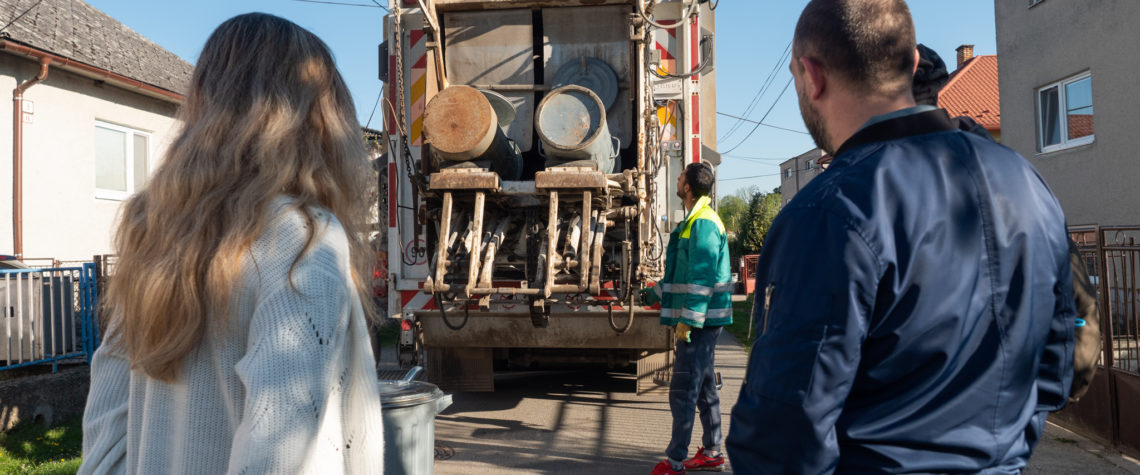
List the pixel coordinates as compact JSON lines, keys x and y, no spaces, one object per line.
{"x":487,"y":267}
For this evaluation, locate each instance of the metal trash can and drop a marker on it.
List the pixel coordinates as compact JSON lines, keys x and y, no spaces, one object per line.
{"x":409,"y":410}
{"x":571,"y":124}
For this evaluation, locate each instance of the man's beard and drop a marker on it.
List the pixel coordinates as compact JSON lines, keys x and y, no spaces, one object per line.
{"x":814,"y":123}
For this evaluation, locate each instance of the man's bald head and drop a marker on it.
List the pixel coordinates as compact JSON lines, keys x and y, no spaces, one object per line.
{"x":868,"y":44}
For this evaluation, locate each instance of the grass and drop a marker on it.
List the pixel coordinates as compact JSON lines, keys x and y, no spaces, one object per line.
{"x":741,"y":316}
{"x":34,"y":449}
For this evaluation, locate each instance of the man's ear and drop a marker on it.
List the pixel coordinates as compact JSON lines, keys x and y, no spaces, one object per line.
{"x":815,"y":80}
{"x":916,"y":59}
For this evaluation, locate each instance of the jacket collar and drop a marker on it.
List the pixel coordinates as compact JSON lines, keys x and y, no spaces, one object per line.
{"x":702,"y":202}
{"x":899,"y":127}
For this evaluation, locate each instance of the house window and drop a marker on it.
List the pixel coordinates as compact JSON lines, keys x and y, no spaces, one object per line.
{"x":787,"y":173}
{"x":811,"y":164}
{"x":122,"y":157}
{"x":1065,"y":114}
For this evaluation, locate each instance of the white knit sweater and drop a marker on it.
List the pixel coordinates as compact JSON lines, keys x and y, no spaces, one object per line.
{"x":289,"y":387}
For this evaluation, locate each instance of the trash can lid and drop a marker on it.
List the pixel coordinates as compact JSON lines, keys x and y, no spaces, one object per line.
{"x":394,"y":393}
{"x":590,"y":73}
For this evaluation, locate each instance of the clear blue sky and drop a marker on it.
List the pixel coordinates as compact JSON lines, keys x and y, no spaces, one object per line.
{"x":751,"y":35}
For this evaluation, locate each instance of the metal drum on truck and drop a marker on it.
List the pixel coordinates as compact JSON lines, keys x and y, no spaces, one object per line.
{"x":462,"y":125}
{"x":571,"y":123}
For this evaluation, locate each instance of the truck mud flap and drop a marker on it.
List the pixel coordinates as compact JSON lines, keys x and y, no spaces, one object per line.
{"x":461,"y":369}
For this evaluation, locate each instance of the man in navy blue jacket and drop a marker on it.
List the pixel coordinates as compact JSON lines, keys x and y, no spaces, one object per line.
{"x":915,"y":303}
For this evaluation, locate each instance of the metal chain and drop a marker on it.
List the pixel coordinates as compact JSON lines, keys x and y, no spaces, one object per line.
{"x":405,"y":151}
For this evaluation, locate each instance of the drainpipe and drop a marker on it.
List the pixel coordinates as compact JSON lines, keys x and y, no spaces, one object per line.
{"x":18,"y":158}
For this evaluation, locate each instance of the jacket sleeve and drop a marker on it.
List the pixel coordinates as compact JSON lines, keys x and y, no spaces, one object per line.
{"x":1055,"y":374}
{"x":296,"y":353}
{"x":823,"y":277}
{"x":105,"y":417}
{"x":704,"y":250}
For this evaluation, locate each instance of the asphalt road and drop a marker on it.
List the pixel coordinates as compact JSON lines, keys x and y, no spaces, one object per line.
{"x":590,"y":421}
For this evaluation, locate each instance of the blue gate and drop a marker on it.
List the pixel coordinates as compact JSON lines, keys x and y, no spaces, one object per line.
{"x":49,"y":315}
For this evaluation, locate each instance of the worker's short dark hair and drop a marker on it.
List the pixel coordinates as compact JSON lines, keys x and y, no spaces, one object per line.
{"x":869,"y":43}
{"x":700,"y":178}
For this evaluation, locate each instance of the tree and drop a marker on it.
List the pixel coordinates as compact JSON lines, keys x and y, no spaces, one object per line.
{"x":762,"y":209}
{"x":732,"y":210}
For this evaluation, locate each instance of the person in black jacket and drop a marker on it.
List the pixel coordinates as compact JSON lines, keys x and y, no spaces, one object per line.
{"x":921,"y":314}
{"x":929,"y":79}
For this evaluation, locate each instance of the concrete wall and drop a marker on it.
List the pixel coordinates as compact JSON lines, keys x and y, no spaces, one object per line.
{"x":29,"y":395}
{"x":62,"y":217}
{"x":1055,"y":40}
{"x":801,"y":174}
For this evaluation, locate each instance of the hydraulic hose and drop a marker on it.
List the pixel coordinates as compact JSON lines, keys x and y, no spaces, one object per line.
{"x":645,"y":16}
{"x":443,"y":314}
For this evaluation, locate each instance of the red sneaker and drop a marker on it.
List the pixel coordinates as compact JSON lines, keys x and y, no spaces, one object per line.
{"x":703,"y":463}
{"x":665,"y":468}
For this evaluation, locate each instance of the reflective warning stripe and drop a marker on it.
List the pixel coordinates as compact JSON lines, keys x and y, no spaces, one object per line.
{"x":714,"y":313}
{"x":665,"y":41}
{"x":695,"y":288}
{"x":695,"y":110}
{"x":418,"y":92}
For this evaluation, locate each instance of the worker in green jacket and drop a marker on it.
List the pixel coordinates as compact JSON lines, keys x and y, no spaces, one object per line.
{"x":696,"y":298}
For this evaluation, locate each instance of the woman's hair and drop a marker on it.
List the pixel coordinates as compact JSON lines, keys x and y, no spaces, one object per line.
{"x":267,"y":114}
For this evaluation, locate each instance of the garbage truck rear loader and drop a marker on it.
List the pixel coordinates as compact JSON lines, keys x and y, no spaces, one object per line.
{"x":532,"y":149}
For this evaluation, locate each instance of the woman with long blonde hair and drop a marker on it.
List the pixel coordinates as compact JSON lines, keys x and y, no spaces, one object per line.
{"x":237,"y":339}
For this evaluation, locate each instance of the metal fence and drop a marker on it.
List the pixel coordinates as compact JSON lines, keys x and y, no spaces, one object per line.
{"x":49,"y":315}
{"x":1121,"y":275}
{"x":1109,"y":411}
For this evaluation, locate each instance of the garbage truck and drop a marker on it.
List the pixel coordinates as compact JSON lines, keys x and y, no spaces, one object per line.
{"x":532,"y":149}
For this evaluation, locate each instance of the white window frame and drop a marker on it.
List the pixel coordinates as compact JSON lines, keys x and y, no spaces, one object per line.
{"x":811,"y":164}
{"x":1065,"y":143}
{"x":787,"y":172}
{"x":119,"y":195}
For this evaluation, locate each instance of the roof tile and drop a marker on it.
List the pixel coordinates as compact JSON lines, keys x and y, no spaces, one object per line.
{"x":78,"y":31}
{"x":973,"y":92}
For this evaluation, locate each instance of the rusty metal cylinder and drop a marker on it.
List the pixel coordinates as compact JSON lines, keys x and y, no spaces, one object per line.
{"x":461,"y":126}
{"x":571,"y":122}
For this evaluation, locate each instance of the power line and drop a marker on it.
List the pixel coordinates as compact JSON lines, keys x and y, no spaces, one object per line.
{"x":760,"y":161}
{"x":766,"y":159}
{"x":748,"y":177}
{"x":374,"y":107}
{"x":18,"y":17}
{"x":343,"y":4}
{"x":761,"y":123}
{"x":763,"y":89}
{"x":757,"y":126}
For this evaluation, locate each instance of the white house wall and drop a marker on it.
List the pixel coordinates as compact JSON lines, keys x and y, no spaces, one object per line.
{"x":62,"y":217}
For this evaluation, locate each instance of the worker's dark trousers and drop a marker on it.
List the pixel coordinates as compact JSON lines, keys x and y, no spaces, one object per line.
{"x":694,"y":387}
